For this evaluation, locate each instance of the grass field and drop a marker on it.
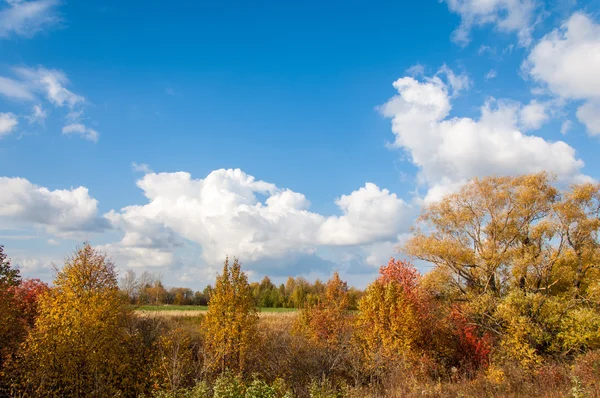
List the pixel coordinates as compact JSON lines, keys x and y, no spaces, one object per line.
{"x":196,"y":308}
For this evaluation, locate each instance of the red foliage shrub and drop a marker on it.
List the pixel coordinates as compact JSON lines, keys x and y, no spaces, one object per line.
{"x":26,"y":295}
{"x":474,"y":347}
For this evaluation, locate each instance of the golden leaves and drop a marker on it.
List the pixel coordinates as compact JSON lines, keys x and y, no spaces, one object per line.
{"x":231,"y":320}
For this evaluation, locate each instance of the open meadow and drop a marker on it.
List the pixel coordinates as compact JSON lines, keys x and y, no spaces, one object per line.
{"x":198,"y":310}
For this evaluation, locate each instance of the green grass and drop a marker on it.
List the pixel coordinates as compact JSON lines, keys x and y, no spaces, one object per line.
{"x":264,"y":309}
{"x":199,"y":308}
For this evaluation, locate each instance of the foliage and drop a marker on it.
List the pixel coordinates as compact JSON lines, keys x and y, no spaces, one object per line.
{"x":388,"y":322}
{"x":510,"y":308}
{"x":8,"y":276}
{"x":231,"y":320}
{"x":174,"y":359}
{"x":326,"y":322}
{"x":12,"y":326}
{"x":521,"y":259}
{"x":77,"y":346}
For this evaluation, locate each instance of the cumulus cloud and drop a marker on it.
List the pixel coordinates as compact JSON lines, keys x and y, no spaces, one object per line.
{"x":369,"y":214}
{"x":60,"y":212}
{"x":85,"y":132}
{"x":533,"y":115}
{"x":589,"y":114}
{"x":449,"y":151}
{"x":26,"y":18}
{"x":505,"y":15}
{"x":566,"y":61}
{"x":8,"y":122}
{"x":223,"y":214}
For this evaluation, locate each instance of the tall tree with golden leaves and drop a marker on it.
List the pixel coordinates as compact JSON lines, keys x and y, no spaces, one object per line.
{"x":523,"y":262}
{"x":390,"y":314}
{"x":77,"y":347}
{"x":231,"y":320}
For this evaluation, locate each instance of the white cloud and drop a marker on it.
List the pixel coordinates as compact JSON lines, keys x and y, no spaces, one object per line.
{"x":566,"y":127}
{"x":589,"y":114}
{"x":449,"y":151}
{"x":52,"y":83}
{"x":369,"y":214}
{"x":39,"y":267}
{"x":223,"y":215}
{"x":8,"y":122}
{"x":26,"y":18}
{"x":60,"y":212}
{"x":142,"y":167}
{"x":491,"y":74}
{"x":505,"y":15}
{"x":486,"y":49}
{"x":85,"y":132}
{"x":15,"y":89}
{"x":533,"y":115}
{"x":38,"y":115}
{"x":567,"y":61}
{"x":416,"y":70}
{"x":458,"y":83}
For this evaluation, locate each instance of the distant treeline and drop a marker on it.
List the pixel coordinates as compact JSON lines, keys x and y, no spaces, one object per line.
{"x":148,"y":289}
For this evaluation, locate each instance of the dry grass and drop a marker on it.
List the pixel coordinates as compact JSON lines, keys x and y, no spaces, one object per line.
{"x":195,"y":313}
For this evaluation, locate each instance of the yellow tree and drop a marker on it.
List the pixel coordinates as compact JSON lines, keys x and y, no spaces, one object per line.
{"x":390,"y":316}
{"x":387,"y":325}
{"x":522,"y":261}
{"x":579,"y":220}
{"x":480,"y":231}
{"x":78,"y":344}
{"x":231,"y":320}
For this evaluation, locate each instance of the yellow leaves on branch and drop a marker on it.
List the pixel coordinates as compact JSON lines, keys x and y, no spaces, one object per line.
{"x":501,"y":232}
{"x":528,"y":251}
{"x":77,"y":345}
{"x":231,"y":320}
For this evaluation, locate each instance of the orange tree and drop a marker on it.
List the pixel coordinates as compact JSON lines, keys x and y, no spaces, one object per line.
{"x":326,"y":322}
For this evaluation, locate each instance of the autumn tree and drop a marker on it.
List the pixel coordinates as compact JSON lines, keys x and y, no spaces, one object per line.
{"x":78,"y":344}
{"x":8,"y":276}
{"x":130,"y":286}
{"x":11,"y":326}
{"x":389,"y":321}
{"x":519,"y":261}
{"x":326,"y":321}
{"x":231,"y":320}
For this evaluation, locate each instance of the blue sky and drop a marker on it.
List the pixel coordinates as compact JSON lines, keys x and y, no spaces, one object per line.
{"x":103,"y":103}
